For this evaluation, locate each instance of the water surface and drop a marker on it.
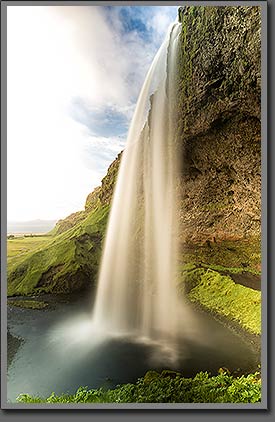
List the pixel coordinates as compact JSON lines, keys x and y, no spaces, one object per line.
{"x":60,"y":352}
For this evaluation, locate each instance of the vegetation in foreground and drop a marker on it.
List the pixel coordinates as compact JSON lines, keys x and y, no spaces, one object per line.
{"x":167,"y":387}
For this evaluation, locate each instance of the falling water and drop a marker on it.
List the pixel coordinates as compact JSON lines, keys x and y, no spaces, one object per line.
{"x":137,"y":281}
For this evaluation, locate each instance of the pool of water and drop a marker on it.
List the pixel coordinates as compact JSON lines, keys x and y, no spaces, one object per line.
{"x":61,"y":352}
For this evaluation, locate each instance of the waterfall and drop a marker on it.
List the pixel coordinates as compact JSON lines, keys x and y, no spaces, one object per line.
{"x":138,"y":274}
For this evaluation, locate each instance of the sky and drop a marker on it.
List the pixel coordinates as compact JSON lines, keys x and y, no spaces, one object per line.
{"x":73,"y":78}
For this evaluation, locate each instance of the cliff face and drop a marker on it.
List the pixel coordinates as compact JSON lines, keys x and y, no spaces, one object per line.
{"x":219,"y":122}
{"x":219,"y":90}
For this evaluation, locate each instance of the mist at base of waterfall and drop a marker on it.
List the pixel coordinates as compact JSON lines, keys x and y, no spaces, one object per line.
{"x":62,"y":351}
{"x":83,"y":333}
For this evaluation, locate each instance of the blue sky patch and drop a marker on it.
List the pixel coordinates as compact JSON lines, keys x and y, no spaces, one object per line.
{"x":102,"y":122}
{"x":132,"y":19}
{"x":135,"y":18}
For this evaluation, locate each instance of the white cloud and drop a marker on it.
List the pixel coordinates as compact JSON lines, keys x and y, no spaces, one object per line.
{"x":159,"y":22}
{"x":57,"y":54}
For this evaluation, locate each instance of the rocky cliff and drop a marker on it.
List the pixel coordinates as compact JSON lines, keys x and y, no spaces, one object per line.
{"x":220,"y":122}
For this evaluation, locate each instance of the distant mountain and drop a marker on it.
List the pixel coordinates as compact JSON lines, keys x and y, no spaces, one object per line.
{"x":28,"y":227}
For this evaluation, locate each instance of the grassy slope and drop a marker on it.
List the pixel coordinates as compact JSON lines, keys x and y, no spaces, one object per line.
{"x":222,"y":295}
{"x":65,"y":262}
{"x":168,"y":388}
{"x":19,"y":247}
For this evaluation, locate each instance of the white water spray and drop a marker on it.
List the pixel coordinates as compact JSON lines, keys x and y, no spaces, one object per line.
{"x":137,"y":282}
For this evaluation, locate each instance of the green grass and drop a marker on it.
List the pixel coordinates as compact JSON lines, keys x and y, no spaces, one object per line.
{"x":19,"y":247}
{"x":160,"y":388}
{"x":222,"y":295}
{"x":64,"y":263}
